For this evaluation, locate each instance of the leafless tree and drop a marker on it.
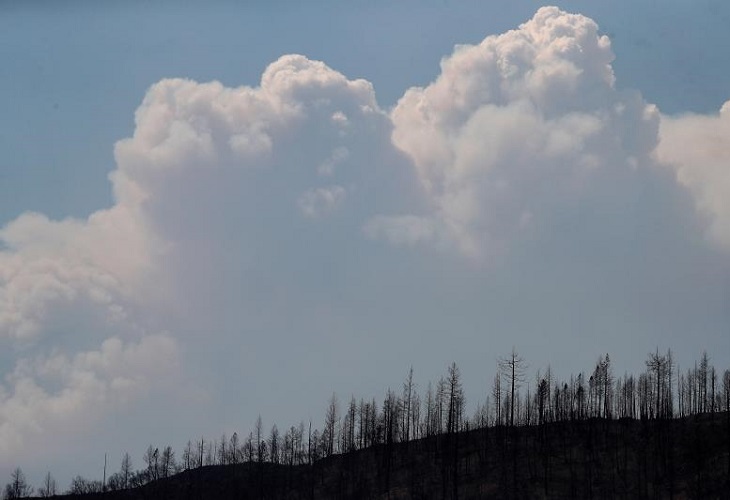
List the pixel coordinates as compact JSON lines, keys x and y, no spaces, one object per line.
{"x":660,"y":368}
{"x":430,"y":422}
{"x":200,"y":451}
{"x":49,"y":487}
{"x":601,"y":386}
{"x":114,"y":482}
{"x":209,"y":453}
{"x":329,"y":436}
{"x":187,"y":458}
{"x":259,"y":440}
{"x":442,"y":392}
{"x":389,"y":417}
{"x":513,"y":368}
{"x":703,"y":378}
{"x":713,"y":384}
{"x":234,"y":449}
{"x":726,"y":393}
{"x":274,"y":445}
{"x":497,"y":395}
{"x":222,"y":451}
{"x":349,"y":424}
{"x":18,"y":486}
{"x":456,"y":400}
{"x":407,"y":400}
{"x":125,"y":470}
{"x":82,"y":486}
{"x":249,"y":449}
{"x":415,"y":414}
{"x":543,"y":399}
{"x":167,"y":462}
{"x":151,"y":458}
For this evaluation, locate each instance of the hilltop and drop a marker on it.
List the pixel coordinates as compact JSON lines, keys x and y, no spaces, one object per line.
{"x":592,"y":458}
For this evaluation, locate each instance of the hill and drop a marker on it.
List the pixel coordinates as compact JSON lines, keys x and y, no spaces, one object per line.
{"x":592,"y":458}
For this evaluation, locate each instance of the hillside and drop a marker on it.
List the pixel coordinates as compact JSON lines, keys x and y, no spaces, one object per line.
{"x":591,"y":458}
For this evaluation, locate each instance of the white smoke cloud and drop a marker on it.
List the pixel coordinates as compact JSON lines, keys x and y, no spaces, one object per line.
{"x":698,"y":148}
{"x":403,"y":230}
{"x":321,"y":201}
{"x":58,"y":394}
{"x":206,"y":167}
{"x":47,"y":265}
{"x":517,"y":124}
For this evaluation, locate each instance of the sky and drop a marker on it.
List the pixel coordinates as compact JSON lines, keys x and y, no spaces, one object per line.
{"x":214,"y":212}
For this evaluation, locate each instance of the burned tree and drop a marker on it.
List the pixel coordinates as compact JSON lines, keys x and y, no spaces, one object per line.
{"x":512,"y":368}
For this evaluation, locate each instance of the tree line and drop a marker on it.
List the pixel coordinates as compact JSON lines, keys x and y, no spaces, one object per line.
{"x":661,"y":392}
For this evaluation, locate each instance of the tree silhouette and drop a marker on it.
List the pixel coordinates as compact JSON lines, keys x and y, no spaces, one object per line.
{"x":167,"y":462}
{"x":49,"y":487}
{"x":726,"y":393}
{"x":330,"y":427}
{"x":274,"y":445}
{"x":513,"y":368}
{"x":407,"y":405}
{"x":456,"y":400}
{"x":234,"y":449}
{"x":151,"y":458}
{"x":18,"y":486}
{"x":661,"y":369}
{"x":126,"y":470}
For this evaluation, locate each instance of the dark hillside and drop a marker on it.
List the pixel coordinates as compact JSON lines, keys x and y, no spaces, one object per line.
{"x":591,"y":458}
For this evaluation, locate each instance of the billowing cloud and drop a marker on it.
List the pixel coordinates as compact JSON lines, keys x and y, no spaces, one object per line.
{"x":58,"y":394}
{"x":698,"y":148}
{"x":195,"y":189}
{"x":49,"y":266}
{"x":517,"y":125}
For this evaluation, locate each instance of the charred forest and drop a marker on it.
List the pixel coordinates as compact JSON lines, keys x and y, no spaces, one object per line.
{"x":664,"y":433}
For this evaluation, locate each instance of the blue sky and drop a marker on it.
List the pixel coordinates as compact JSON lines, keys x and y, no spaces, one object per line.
{"x":347,"y":249}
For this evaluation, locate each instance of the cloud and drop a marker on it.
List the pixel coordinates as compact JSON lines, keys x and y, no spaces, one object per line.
{"x":210,"y":182}
{"x":697,"y":147}
{"x":61,"y":394}
{"x":338,"y":156}
{"x":49,"y":265}
{"x":70,"y":292}
{"x":320,"y":201}
{"x":209,"y":143}
{"x":516,"y":126}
